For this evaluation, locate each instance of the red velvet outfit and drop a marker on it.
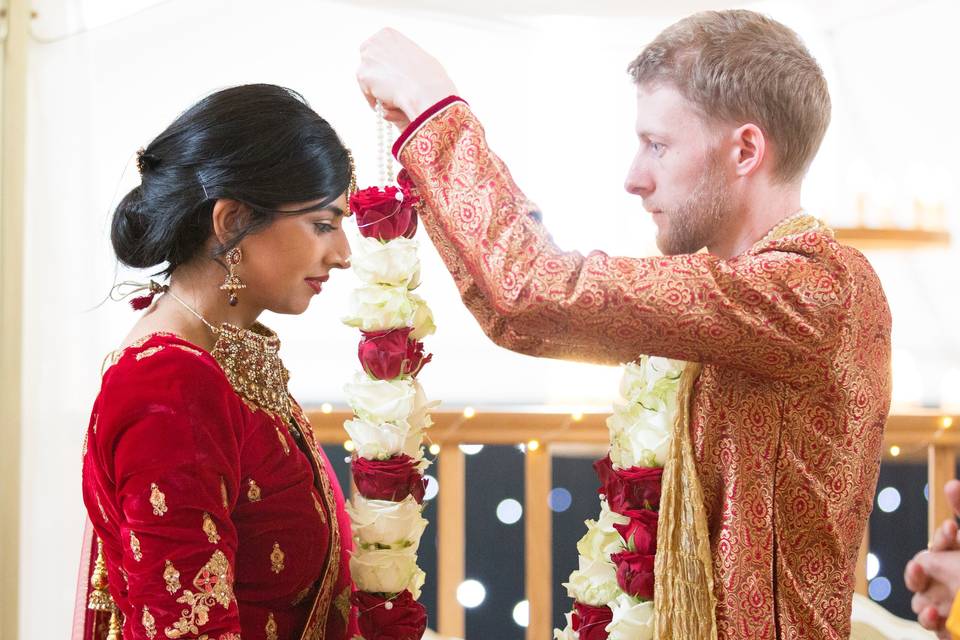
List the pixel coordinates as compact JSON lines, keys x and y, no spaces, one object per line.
{"x":218,"y":513}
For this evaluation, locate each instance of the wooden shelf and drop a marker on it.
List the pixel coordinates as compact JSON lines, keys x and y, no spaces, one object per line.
{"x":874,"y":238}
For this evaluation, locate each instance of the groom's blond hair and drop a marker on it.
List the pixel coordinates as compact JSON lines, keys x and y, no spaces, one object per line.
{"x":740,"y":66}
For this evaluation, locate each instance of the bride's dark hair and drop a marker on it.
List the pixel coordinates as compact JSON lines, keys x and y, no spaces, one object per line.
{"x":259,"y":144}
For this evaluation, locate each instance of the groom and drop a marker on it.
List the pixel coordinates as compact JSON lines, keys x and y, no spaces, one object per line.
{"x":791,"y":328}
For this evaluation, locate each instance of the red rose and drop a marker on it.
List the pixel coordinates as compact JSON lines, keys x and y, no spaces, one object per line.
{"x":387,"y":354}
{"x":410,"y":198}
{"x":415,"y":358}
{"x":406,"y":619}
{"x":641,"y":532}
{"x":392,"y":479}
{"x":635,"y":573}
{"x":629,"y":489}
{"x":380,"y":214}
{"x":591,"y":622}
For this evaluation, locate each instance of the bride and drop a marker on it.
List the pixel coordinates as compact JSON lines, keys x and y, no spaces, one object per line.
{"x":214,"y":512}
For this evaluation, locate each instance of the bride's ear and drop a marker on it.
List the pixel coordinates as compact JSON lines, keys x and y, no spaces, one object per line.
{"x":229,"y":217}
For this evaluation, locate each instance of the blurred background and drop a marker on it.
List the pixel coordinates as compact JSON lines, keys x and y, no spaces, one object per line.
{"x":88,"y":82}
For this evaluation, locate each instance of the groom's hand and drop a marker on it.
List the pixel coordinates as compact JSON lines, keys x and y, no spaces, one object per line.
{"x":403,"y":77}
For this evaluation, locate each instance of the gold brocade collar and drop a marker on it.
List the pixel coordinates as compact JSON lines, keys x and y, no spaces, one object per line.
{"x":251,"y":361}
{"x":800,"y":222}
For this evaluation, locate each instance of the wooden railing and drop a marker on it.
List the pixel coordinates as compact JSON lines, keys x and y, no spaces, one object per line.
{"x":908,"y":437}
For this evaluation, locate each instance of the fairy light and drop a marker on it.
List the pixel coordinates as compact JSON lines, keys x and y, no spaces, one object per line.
{"x":894,"y":451}
{"x":326,"y":407}
{"x":577,"y":416}
{"x":946,"y":422}
{"x":434,"y":449}
{"x":349,"y":446}
{"x":469,"y":412}
{"x":533,"y":445}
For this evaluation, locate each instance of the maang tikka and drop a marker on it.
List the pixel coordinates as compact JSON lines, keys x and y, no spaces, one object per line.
{"x":233,"y":283}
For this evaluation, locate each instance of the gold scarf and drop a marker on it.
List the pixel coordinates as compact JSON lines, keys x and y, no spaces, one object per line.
{"x":684,"y":602}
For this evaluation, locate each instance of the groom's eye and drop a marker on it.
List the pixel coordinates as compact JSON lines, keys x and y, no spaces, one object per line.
{"x":323,"y":227}
{"x":657,"y":147}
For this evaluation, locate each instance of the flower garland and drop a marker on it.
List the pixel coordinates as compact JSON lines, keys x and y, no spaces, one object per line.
{"x":391,"y":414}
{"x":613,"y":588}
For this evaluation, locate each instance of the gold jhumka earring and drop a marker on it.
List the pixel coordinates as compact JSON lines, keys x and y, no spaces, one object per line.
{"x":233,"y":283}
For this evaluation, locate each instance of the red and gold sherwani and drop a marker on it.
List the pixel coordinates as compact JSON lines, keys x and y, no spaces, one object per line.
{"x":787,"y":416}
{"x":218,"y":513}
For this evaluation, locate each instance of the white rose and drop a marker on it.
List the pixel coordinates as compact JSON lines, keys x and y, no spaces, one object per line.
{"x":420,"y":415}
{"x":601,"y":539}
{"x":383,"y":440}
{"x":567,"y":633}
{"x":632,"y":619}
{"x":386,"y":523}
{"x":386,"y":570}
{"x":376,"y":307}
{"x":422,"y":321}
{"x":393,"y":263}
{"x":379,"y":401}
{"x":639,"y":437}
{"x":653,"y":382}
{"x":594,"y":583}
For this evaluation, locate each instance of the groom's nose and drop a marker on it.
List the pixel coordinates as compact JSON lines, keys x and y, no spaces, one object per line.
{"x":639,"y":180}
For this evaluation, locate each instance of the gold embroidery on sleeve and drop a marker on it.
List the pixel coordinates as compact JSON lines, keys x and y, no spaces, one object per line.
{"x":149,"y":624}
{"x":300,"y":597}
{"x":253,"y":493}
{"x":276,"y":558}
{"x":86,"y":439}
{"x":223,"y":493}
{"x":103,"y":513}
{"x":184,"y":347}
{"x":283,"y":441}
{"x":214,"y":584}
{"x":146,"y":353}
{"x":135,"y":547}
{"x":271,"y":627}
{"x":172,"y":577}
{"x":158,"y":499}
{"x":210,"y":528}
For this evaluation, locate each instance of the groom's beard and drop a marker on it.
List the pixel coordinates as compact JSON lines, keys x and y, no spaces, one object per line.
{"x":695,"y":222}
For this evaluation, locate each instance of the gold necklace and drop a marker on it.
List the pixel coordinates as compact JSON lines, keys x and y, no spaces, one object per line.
{"x":251,"y":362}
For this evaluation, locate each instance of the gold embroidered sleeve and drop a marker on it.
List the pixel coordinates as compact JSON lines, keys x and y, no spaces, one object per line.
{"x":176,"y":464}
{"x":774,"y":311}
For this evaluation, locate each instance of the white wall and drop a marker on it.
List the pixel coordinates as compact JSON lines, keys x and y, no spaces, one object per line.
{"x":555,"y":97}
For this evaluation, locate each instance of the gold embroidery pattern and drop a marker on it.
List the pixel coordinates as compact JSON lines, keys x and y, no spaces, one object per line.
{"x":300,"y":597}
{"x":214,"y":585}
{"x":103,"y":513}
{"x":250,"y":360}
{"x":184,"y":347}
{"x":316,"y":505}
{"x":342,"y":603}
{"x":210,"y":528}
{"x":172,"y":577}
{"x":146,"y":353}
{"x":96,"y":419}
{"x":86,"y":438}
{"x":149,"y":624}
{"x":277,"y":557}
{"x":158,"y":499}
{"x":271,"y":628}
{"x":223,"y":493}
{"x":253,"y":493}
{"x":135,"y":547}
{"x":331,"y":575}
{"x":283,"y":441}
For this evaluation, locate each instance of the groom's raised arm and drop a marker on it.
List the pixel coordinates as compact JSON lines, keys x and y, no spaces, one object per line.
{"x":775,"y":311}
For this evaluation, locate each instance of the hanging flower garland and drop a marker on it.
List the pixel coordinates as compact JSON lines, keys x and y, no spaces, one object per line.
{"x":391,"y":413}
{"x":613,"y":588}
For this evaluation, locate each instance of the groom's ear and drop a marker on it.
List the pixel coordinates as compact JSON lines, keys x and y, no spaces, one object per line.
{"x":749,"y":149}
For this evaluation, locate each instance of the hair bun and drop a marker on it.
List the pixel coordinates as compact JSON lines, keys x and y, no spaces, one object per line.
{"x":129,"y":231}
